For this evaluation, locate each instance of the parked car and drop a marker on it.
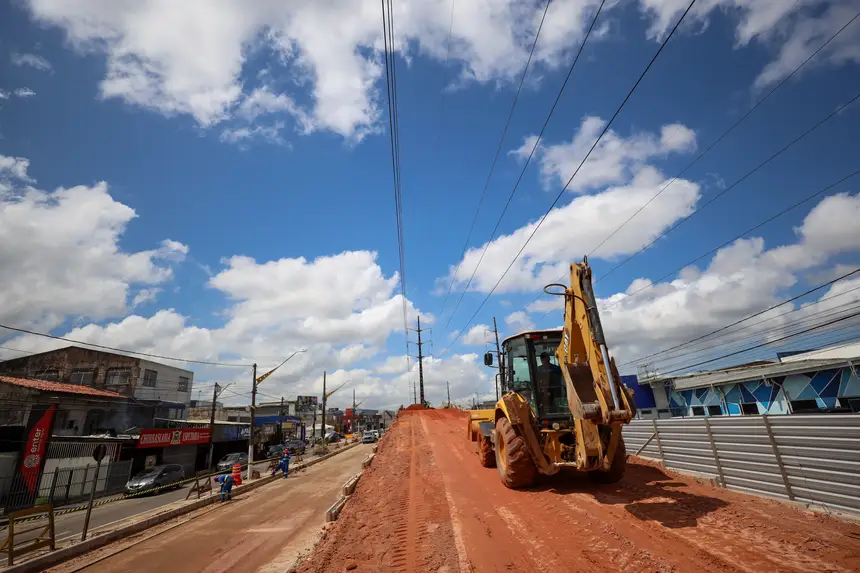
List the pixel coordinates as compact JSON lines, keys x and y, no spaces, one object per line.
{"x":156,"y":476}
{"x":376,"y":433}
{"x":295,"y":446}
{"x":368,"y":437}
{"x":227,"y":461}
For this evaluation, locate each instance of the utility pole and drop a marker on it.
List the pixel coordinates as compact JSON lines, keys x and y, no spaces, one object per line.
{"x":420,"y":359}
{"x":499,"y":356}
{"x":323,"y":412}
{"x":448,"y":386}
{"x":281,"y":421}
{"x":414,"y":393}
{"x":354,"y":413}
{"x":253,"y":407}
{"x":212,"y":428}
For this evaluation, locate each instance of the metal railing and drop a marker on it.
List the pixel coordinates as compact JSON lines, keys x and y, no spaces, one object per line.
{"x":806,"y":458}
{"x":64,"y":486}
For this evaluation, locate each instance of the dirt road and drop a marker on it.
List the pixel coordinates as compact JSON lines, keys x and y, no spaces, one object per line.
{"x":427,"y":505}
{"x":263,"y":531}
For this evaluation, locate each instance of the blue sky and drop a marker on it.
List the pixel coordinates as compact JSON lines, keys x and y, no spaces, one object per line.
{"x":252,"y":148}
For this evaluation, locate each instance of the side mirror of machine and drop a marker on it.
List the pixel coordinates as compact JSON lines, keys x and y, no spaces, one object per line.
{"x":488,"y":359}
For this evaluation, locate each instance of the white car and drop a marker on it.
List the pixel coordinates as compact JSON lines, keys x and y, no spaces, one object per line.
{"x":368,"y":437}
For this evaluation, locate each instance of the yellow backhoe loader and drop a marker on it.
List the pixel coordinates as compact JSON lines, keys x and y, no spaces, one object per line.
{"x":563,"y":402}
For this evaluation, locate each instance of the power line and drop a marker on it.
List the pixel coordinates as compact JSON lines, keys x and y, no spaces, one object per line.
{"x":394,"y":138}
{"x":749,"y":317}
{"x":525,"y":165}
{"x":499,"y":150}
{"x":725,"y":133}
{"x":718,"y":140}
{"x":723,"y":345}
{"x":770,"y":219}
{"x":584,"y":159}
{"x":64,"y":339}
{"x":767,"y":343}
{"x":733,"y":185}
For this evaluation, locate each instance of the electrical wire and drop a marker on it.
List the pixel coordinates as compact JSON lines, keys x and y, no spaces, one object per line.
{"x":499,"y":150}
{"x":525,"y":165}
{"x":785,"y":148}
{"x":749,"y":317}
{"x":767,"y":343}
{"x":394,"y":139}
{"x":725,"y":133}
{"x":123,"y":350}
{"x":717,"y":140}
{"x":757,"y":226}
{"x":584,"y":159}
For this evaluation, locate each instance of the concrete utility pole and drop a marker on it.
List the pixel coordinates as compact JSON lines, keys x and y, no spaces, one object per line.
{"x":253,"y":407}
{"x":499,"y":356}
{"x":212,"y":428}
{"x":323,"y":412}
{"x":414,"y":393}
{"x":448,"y":386}
{"x":281,"y":420}
{"x":420,"y":363}
{"x":354,"y":414}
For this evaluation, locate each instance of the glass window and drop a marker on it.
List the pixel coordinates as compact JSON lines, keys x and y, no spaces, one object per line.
{"x":149,"y":378}
{"x":183,"y":384}
{"x":698,"y":410}
{"x":82,"y":377}
{"x":550,"y":382}
{"x":715,"y":411}
{"x":118,"y":377}
{"x":49,"y":376}
{"x":519,"y":377}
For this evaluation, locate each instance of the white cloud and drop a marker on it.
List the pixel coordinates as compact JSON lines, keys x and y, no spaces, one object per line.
{"x":144,"y":296}
{"x":63,"y":249}
{"x":741,"y":278}
{"x":188,"y":57}
{"x":575,"y":228}
{"x":242,"y":136}
{"x":613,"y":161}
{"x":15,"y":167}
{"x":519,"y":321}
{"x":478,"y":335}
{"x":24,"y":92}
{"x":792,"y":29}
{"x":32,"y":60}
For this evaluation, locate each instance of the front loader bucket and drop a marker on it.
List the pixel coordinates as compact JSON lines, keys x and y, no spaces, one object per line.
{"x":473,"y":430}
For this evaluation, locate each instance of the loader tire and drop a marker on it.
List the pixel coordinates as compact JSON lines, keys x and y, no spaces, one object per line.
{"x":616,"y":470}
{"x":486,"y":453}
{"x":513,"y":461}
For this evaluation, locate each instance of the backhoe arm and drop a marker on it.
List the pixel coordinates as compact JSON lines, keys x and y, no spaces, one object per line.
{"x":593,"y":385}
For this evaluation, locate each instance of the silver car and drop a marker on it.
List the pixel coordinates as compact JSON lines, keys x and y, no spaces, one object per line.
{"x":156,"y":477}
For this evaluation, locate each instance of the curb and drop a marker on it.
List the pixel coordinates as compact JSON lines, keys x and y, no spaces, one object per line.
{"x":44,"y":561}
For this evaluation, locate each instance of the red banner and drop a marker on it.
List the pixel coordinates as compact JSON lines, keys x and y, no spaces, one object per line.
{"x":161,"y":438}
{"x":37,"y":442}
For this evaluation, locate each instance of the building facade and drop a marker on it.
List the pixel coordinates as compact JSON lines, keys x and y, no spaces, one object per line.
{"x":144,"y":380}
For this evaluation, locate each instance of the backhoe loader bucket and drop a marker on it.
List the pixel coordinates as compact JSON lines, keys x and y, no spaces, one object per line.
{"x":473,"y":430}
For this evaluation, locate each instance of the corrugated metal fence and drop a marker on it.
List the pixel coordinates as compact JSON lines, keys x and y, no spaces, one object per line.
{"x":805,"y":458}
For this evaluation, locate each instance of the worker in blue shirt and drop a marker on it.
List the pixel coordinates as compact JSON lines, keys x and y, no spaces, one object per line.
{"x":283,"y":464}
{"x":226,"y":481}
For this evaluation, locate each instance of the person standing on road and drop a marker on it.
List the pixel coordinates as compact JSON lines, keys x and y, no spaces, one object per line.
{"x":226,"y":481}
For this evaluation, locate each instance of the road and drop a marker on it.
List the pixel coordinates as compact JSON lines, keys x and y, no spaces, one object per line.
{"x":69,"y":526}
{"x":265,"y":530}
{"x":426,"y":504}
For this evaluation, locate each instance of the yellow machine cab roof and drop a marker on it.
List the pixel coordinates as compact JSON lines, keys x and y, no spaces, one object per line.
{"x":535,"y":333}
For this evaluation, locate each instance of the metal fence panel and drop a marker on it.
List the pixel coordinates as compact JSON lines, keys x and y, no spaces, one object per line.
{"x":808,"y":458}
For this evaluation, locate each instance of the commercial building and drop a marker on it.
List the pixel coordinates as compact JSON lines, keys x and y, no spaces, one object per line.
{"x":799,"y":383}
{"x":166,"y":387}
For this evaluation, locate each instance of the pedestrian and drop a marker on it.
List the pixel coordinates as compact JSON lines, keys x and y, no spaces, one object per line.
{"x":226,"y":481}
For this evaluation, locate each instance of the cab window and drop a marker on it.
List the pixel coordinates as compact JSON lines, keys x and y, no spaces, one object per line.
{"x":550,"y":382}
{"x":518,"y":366}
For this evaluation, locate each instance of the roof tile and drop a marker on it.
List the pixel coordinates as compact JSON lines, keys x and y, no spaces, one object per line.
{"x":45,"y":386}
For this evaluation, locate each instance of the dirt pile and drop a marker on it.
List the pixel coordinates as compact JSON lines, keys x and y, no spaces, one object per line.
{"x":413,"y":407}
